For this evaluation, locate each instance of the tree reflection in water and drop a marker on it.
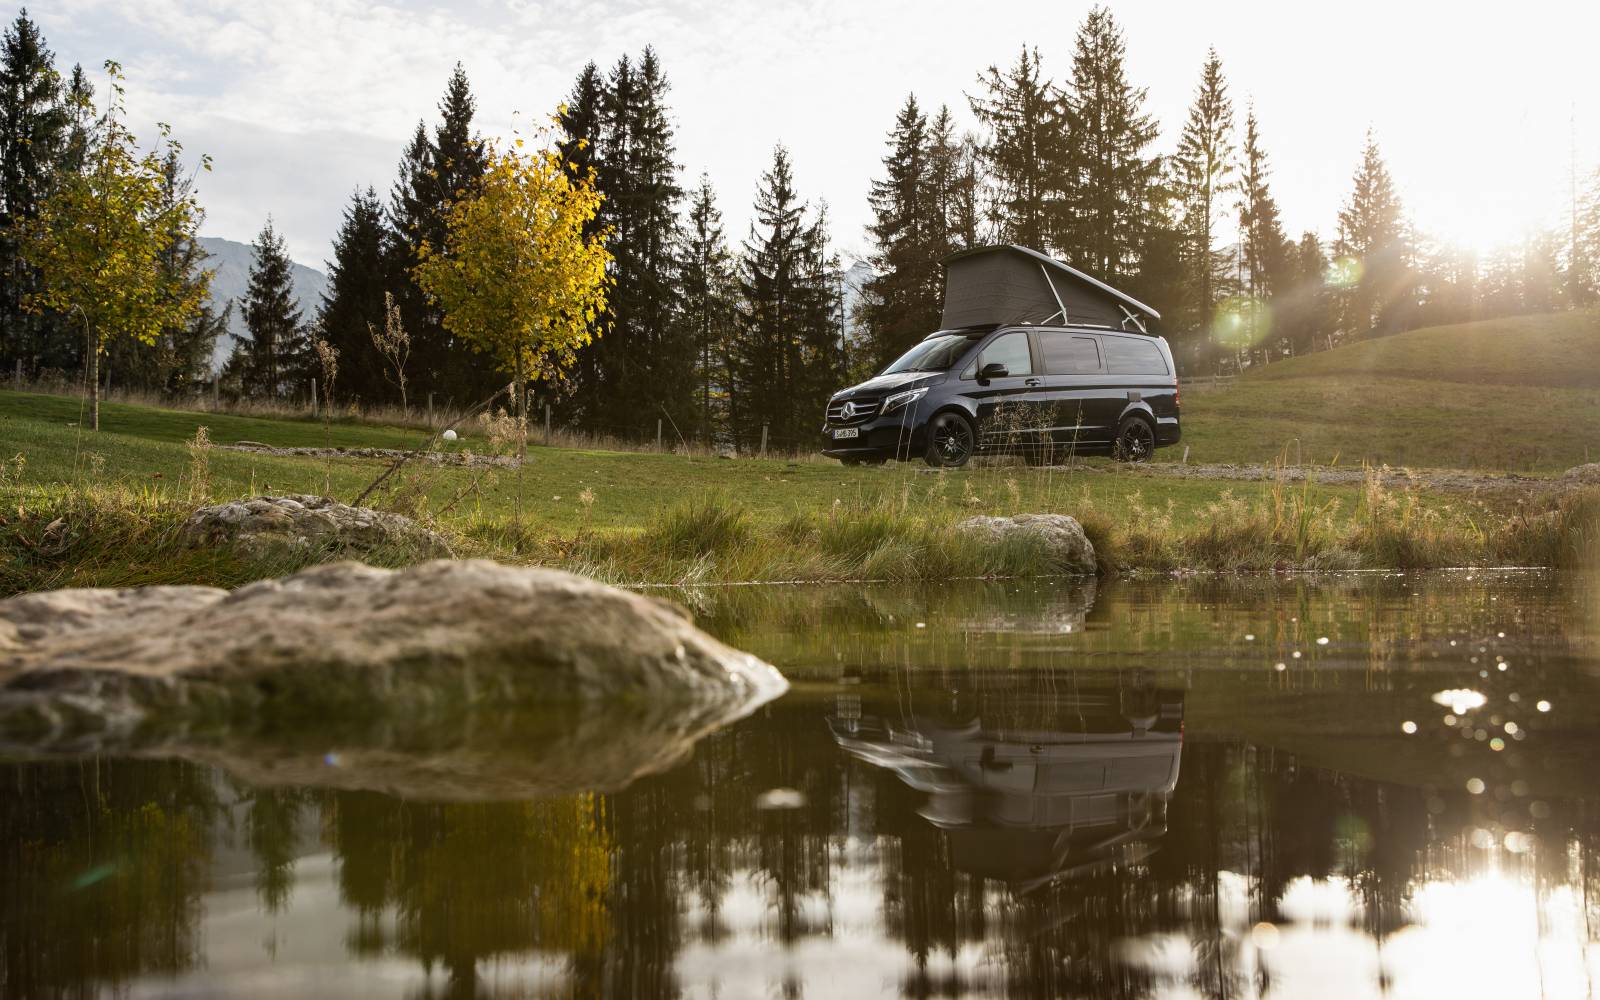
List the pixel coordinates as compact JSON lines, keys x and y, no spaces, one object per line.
{"x":976,"y":821}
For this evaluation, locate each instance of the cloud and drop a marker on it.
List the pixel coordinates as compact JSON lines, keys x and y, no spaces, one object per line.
{"x":301,"y":100}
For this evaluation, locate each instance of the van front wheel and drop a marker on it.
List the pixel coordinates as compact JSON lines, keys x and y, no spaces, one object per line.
{"x":951,"y":441}
{"x":1136,"y":440}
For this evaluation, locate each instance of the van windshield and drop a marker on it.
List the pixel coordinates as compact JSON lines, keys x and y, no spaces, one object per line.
{"x":936,"y":354}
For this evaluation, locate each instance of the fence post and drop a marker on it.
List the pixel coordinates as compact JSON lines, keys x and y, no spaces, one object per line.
{"x":658,"y":434}
{"x":547,"y":425}
{"x":763,"y":439}
{"x":430,"y":409}
{"x":19,"y":374}
{"x":313,"y":397}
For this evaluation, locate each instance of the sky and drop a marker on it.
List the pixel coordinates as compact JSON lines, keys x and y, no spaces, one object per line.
{"x":1477,"y":107}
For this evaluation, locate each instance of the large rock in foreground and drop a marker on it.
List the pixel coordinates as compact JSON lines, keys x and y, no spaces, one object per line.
{"x":1068,"y":547}
{"x":302,"y":520}
{"x":1588,"y":474}
{"x":344,"y":638}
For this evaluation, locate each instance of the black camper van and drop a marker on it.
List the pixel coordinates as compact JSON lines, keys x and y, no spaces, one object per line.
{"x":1033,"y":358}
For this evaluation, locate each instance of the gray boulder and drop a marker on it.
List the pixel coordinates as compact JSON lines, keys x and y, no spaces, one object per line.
{"x":347,"y":638}
{"x":1070,"y":550}
{"x":301,"y":520}
{"x":1584,"y":474}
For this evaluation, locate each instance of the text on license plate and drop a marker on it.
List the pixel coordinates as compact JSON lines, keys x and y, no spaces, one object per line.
{"x":846,"y":432}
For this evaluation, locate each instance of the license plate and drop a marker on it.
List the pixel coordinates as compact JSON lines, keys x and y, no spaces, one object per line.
{"x":846,"y":432}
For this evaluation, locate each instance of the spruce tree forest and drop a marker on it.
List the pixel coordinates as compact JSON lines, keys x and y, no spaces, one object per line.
{"x":722,"y":334}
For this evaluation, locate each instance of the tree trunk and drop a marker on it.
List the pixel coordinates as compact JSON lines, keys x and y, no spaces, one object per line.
{"x":522,"y":413}
{"x":522,"y":439}
{"x":93,"y":347}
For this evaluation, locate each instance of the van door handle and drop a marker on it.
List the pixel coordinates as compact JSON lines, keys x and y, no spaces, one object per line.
{"x":1030,"y":381}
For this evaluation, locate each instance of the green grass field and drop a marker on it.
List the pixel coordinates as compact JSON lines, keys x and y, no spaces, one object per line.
{"x":144,"y":448}
{"x":1514,"y":395}
{"x":121,"y":493}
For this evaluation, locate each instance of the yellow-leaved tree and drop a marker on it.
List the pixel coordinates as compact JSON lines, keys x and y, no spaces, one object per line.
{"x":521,"y":277}
{"x":102,"y":239}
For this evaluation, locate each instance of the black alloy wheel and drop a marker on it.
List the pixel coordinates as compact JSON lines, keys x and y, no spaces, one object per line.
{"x":951,"y":441}
{"x":1136,"y":440}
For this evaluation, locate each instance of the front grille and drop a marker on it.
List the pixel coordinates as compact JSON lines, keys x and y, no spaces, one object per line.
{"x":862,"y":411}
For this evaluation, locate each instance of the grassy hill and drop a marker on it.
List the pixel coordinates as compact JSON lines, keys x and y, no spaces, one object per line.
{"x":1519,"y":394}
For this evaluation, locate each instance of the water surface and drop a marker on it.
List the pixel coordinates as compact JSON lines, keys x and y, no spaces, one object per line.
{"x":1373,"y":785}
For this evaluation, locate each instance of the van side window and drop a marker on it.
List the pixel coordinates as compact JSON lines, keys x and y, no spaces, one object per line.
{"x":1127,"y":356}
{"x":1011,"y":350}
{"x":1065,"y":354}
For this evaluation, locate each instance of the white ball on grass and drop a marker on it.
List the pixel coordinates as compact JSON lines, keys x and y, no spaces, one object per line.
{"x":449,"y":435}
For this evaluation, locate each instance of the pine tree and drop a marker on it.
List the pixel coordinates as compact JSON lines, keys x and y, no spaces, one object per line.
{"x":352,"y":305}
{"x":657,"y":355}
{"x":710,"y":297}
{"x":1026,"y":151}
{"x":34,"y":122}
{"x":901,"y":301}
{"x":577,"y":393}
{"x":1264,"y":248}
{"x":1301,"y":308}
{"x":786,"y":358}
{"x":1539,"y":275}
{"x":271,"y":357}
{"x":581,"y":121}
{"x":1162,"y":261}
{"x":1106,"y":217}
{"x":1373,"y":253}
{"x":456,"y":156}
{"x":1203,"y":171}
{"x":409,"y":223}
{"x":1585,"y":264}
{"x":640,"y":366}
{"x":967,"y":224}
{"x":1448,"y":290}
{"x":953,"y":189}
{"x":435,"y":171}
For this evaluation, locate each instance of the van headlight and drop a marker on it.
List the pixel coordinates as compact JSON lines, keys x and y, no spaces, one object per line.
{"x":899,"y":399}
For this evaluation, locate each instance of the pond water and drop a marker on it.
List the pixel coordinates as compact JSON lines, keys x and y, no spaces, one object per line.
{"x":1369,"y":785}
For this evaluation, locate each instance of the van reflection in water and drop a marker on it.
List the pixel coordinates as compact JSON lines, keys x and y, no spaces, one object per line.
{"x":1033,"y":791}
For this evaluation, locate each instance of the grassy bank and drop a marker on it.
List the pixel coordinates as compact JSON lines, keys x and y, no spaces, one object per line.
{"x":1514,"y":395}
{"x":118,"y":536}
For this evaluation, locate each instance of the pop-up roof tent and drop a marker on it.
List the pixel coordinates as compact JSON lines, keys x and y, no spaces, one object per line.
{"x":1000,"y":285}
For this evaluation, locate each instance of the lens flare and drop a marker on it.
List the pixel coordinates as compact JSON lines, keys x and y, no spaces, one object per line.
{"x":1241,"y":322}
{"x":1344,"y":272}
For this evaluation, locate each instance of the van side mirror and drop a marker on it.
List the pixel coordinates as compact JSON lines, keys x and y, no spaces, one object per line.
{"x":993,"y":369}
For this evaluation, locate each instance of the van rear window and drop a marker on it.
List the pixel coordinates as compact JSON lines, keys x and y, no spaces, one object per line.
{"x":1126,"y":356}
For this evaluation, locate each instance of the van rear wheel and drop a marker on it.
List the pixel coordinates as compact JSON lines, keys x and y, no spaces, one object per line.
{"x":1136,"y":440}
{"x":951,"y":441}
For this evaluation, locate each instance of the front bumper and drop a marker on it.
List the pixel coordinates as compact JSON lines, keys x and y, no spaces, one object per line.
{"x":887,"y":436}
